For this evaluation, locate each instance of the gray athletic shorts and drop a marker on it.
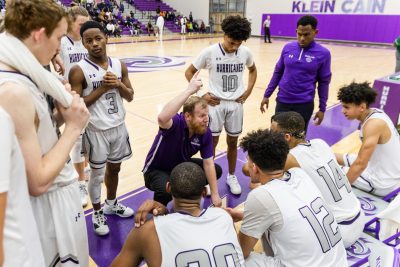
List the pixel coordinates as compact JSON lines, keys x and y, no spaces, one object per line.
{"x":102,"y":146}
{"x":228,"y":114}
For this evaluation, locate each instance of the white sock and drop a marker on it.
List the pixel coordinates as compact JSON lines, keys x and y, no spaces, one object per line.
{"x":94,"y":186}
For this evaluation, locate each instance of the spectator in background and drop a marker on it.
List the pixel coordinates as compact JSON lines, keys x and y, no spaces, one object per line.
{"x":110,"y":28}
{"x":267,"y":33}
{"x":191,"y":17}
{"x":211,"y":23}
{"x":158,"y":10}
{"x":132,"y":14}
{"x":117,"y":30}
{"x":160,"y":25}
{"x":183,"y":25}
{"x":150,"y":28}
{"x":202,"y":27}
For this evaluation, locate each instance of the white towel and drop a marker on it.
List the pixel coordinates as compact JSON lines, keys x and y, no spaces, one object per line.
{"x":390,"y":219}
{"x":14,"y":53}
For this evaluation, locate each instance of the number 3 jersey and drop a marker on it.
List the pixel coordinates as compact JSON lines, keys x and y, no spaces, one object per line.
{"x":108,"y":111}
{"x":225,"y":70}
{"x":207,"y":240}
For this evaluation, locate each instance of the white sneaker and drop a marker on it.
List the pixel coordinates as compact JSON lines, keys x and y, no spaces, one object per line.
{"x":117,"y":209}
{"x":99,"y":221}
{"x":83,"y":193}
{"x":208,"y":190}
{"x":234,"y":185}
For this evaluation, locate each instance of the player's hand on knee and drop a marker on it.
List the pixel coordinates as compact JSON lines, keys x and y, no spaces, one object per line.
{"x":264,"y":102}
{"x":149,"y":206}
{"x":211,"y":99}
{"x":77,"y":115}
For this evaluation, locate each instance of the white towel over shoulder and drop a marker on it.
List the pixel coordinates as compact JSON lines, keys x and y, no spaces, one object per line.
{"x":14,"y":53}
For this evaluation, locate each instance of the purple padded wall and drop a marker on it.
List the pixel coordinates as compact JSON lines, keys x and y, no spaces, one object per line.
{"x":358,"y":28}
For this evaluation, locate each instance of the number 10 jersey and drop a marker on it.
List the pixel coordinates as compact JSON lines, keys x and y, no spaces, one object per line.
{"x":225,"y":70}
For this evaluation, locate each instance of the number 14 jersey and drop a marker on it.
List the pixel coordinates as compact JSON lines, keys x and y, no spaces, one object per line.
{"x":108,"y":111}
{"x":225,"y":70}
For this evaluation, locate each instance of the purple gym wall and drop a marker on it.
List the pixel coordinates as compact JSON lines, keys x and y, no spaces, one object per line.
{"x":359,"y":28}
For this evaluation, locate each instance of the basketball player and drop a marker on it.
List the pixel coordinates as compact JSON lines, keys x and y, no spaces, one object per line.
{"x":51,"y":178}
{"x":179,"y":138}
{"x":71,"y":52}
{"x":317,"y":159}
{"x":190,"y":235}
{"x":376,"y":168}
{"x":103,"y":82}
{"x":18,"y":226}
{"x":287,"y":209}
{"x":226,"y":62}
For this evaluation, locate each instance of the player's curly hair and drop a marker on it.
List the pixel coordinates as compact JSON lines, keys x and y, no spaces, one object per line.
{"x":236,"y":27}
{"x":357,"y":93}
{"x":290,"y":122}
{"x":187,"y":181}
{"x":267,"y":149}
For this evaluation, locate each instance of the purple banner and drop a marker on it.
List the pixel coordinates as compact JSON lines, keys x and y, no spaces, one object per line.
{"x":388,"y":98}
{"x":358,"y":28}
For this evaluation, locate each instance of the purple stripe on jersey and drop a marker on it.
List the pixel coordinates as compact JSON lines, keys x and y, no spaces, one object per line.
{"x":15,"y":72}
{"x":91,"y":63}
{"x":222,"y":50}
{"x":110,"y":62}
{"x":70,"y":40}
{"x":350,"y":221}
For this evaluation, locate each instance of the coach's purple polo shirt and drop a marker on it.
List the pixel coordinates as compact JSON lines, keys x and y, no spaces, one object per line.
{"x":297,"y":72}
{"x":173,"y":146}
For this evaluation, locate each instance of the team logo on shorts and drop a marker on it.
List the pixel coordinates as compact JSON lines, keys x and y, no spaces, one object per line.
{"x":152,"y":63}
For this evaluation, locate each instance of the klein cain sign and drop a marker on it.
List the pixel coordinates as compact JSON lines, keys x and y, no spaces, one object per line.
{"x":339,"y":6}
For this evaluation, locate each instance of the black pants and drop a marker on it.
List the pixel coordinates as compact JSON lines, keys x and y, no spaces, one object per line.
{"x":304,"y":109}
{"x":267,"y":33}
{"x":156,"y":180}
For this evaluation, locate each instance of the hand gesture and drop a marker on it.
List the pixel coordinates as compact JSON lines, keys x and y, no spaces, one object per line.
{"x":318,"y":118}
{"x":216,"y":200}
{"x":243,"y":97}
{"x":195,"y":83}
{"x":211,"y":99}
{"x":110,"y":80}
{"x":58,"y":64}
{"x":265,"y":102}
{"x":77,"y":115}
{"x":236,"y":215}
{"x":148,"y":206}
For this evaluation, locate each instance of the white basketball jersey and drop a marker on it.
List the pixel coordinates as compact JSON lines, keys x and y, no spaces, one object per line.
{"x":21,"y":242}
{"x":318,"y":161}
{"x":108,"y":111}
{"x":225,"y":70}
{"x":309,"y":235}
{"x":71,"y":52}
{"x":207,"y":240}
{"x":384,"y":164}
{"x":47,"y":130}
